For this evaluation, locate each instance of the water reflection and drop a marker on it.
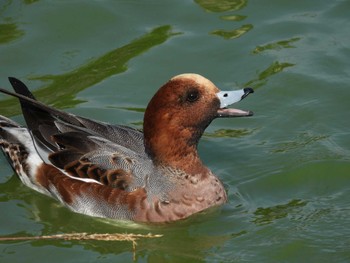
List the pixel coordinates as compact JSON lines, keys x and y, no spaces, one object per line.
{"x":222,"y":5}
{"x":28,"y":2}
{"x":273,"y":69}
{"x":233,"y":18}
{"x":9,"y":32}
{"x":229,"y":133}
{"x":276,"y":45}
{"x":134,"y":109}
{"x":225,"y":6}
{"x":264,"y":216}
{"x":235,"y":33}
{"x":302,"y":140}
{"x":188,"y":239}
{"x":63,"y":88}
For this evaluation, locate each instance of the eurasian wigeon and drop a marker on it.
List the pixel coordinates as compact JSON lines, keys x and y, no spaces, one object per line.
{"x":115,"y":171}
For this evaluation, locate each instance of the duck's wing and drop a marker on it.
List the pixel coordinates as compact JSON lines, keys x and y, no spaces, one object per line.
{"x":94,"y":157}
{"x":41,"y":118}
{"x":110,"y":155}
{"x":118,"y":198}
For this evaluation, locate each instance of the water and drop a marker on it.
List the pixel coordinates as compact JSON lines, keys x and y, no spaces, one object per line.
{"x":286,"y":170}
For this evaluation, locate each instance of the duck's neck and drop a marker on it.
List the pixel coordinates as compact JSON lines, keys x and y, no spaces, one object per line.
{"x":175,"y":148}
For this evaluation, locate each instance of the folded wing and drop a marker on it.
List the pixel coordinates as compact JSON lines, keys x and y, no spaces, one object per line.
{"x":109,"y":154}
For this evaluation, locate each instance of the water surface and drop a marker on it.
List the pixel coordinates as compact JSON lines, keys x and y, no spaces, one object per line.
{"x":286,"y":170}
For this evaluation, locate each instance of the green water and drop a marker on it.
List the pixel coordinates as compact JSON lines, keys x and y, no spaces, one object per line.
{"x":286,"y":170}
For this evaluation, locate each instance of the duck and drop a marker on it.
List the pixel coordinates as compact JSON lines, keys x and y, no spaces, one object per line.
{"x":154,"y":175}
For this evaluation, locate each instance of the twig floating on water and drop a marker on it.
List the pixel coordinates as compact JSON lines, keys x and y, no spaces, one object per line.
{"x":85,"y":236}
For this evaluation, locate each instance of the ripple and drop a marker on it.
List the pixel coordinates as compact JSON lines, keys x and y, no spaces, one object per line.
{"x":229,"y":133}
{"x":302,"y":140}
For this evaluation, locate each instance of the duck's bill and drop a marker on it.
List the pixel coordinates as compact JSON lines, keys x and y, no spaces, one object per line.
{"x":228,"y":98}
{"x":225,"y":113}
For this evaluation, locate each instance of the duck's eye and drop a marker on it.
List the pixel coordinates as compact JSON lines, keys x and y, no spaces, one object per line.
{"x":192,"y":96}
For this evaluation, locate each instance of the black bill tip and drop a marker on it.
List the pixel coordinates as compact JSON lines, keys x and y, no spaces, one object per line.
{"x":247,"y":91}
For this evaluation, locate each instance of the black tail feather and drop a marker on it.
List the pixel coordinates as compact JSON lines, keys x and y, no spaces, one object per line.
{"x":27,"y":97}
{"x":21,"y":88}
{"x":38,"y":115}
{"x":44,"y":122}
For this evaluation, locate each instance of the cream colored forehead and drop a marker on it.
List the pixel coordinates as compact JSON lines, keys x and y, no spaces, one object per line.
{"x":198,"y":79}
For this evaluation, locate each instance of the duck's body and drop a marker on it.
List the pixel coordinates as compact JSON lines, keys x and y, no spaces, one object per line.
{"x":118,"y":172}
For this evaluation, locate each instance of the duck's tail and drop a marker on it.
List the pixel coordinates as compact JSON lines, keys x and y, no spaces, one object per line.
{"x":17,"y":145}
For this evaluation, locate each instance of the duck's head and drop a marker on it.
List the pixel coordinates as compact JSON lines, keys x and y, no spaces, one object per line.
{"x":179,"y":112}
